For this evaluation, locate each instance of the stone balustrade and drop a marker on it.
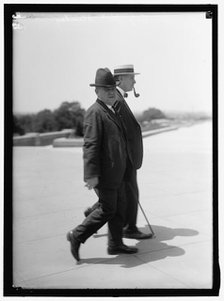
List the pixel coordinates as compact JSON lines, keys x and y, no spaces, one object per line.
{"x":36,"y":139}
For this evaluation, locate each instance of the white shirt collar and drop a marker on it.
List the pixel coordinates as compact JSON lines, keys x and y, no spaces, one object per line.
{"x":111,"y":108}
{"x":121,"y":91}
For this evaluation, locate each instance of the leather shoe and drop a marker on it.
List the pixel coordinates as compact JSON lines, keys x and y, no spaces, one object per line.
{"x":136,"y":235}
{"x":122,"y":249}
{"x":75,"y":245}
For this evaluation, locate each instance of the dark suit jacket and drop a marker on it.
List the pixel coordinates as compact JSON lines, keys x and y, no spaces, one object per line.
{"x":132,"y":130}
{"x":104,"y":149}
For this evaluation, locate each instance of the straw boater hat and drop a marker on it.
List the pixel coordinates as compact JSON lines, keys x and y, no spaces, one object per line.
{"x":104,"y":78}
{"x":125,"y":70}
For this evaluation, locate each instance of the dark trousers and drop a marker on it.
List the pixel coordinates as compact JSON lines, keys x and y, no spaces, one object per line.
{"x":111,"y":209}
{"x":131,"y":197}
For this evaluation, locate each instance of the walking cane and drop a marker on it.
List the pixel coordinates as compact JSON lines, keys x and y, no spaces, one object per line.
{"x":153,"y":233}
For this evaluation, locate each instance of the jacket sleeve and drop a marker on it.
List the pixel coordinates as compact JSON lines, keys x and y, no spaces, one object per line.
{"x":92,"y":144}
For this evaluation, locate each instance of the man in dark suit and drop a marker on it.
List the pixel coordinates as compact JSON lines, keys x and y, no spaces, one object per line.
{"x":105,"y":168}
{"x":125,"y":77}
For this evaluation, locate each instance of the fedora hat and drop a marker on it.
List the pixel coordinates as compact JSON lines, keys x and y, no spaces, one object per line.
{"x":125,"y":70}
{"x":104,"y":78}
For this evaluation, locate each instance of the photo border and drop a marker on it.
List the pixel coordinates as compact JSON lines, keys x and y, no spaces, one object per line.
{"x":211,"y":11}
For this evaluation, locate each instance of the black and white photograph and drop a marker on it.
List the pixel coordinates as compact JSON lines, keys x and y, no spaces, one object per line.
{"x":114,"y":146}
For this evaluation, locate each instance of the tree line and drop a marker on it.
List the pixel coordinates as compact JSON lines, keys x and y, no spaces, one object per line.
{"x":69,"y":115}
{"x":150,"y":114}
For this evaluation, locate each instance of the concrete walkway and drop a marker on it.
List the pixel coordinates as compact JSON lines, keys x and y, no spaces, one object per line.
{"x":175,"y":185}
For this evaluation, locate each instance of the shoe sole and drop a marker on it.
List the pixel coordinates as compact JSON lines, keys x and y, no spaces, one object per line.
{"x":133,"y":237}
{"x":120,"y":252}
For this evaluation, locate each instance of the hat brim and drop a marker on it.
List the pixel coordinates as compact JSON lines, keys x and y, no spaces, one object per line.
{"x":104,"y":86}
{"x":126,"y":73}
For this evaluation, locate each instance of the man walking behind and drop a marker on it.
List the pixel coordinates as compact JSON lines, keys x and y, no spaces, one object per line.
{"x":105,"y":165}
{"x":125,"y":77}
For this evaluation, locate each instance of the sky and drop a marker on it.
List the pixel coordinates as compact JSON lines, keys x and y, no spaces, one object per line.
{"x":55,"y":58}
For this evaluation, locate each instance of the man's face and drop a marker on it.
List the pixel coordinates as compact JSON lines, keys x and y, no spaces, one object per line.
{"x":107,"y":95}
{"x":127,"y":82}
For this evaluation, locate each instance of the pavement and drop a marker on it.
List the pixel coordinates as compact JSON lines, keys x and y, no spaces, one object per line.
{"x":175,"y":184}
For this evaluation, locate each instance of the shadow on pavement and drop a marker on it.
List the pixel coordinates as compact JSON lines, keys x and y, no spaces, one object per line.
{"x":165,"y":233}
{"x":150,"y":250}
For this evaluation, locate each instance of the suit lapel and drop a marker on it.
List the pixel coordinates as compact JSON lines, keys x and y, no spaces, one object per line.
{"x":109,"y":113}
{"x":121,"y":99}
